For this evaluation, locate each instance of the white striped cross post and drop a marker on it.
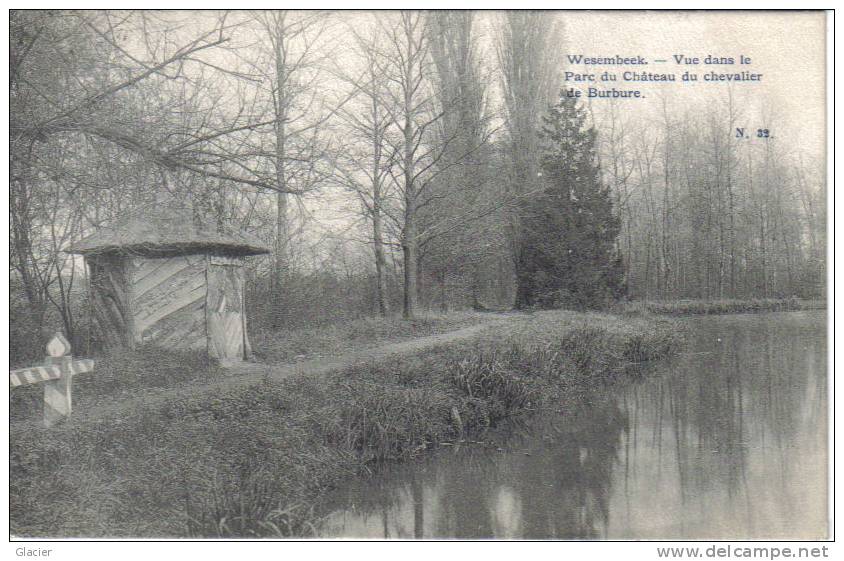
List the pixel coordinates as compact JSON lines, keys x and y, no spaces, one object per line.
{"x":57,"y":375}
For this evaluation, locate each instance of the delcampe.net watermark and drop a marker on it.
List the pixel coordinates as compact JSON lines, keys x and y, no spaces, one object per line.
{"x":743,"y":552}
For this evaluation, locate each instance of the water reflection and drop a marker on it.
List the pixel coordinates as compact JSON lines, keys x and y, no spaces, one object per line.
{"x":729,"y":441}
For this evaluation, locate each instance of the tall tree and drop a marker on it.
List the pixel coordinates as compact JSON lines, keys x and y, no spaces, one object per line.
{"x":296,"y":51}
{"x":570,"y":230}
{"x":418,"y":154}
{"x":460,"y":251}
{"x":529,"y":52}
{"x":365,"y":160}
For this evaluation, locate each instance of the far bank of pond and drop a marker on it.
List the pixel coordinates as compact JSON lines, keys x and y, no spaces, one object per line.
{"x":691,"y":307}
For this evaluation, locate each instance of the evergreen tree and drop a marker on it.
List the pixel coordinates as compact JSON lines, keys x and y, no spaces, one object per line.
{"x":569,"y":257}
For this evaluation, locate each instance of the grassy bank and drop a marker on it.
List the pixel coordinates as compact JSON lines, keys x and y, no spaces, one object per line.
{"x":250,"y":462}
{"x":721,"y":306}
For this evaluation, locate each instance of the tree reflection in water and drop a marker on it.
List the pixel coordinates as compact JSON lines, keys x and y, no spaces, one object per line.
{"x":477,"y":491}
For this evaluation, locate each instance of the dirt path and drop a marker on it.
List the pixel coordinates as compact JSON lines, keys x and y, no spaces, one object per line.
{"x":255,"y":372}
{"x":252,"y":373}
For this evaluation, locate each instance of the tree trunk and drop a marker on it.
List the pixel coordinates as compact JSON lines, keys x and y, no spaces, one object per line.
{"x":476,"y":287}
{"x":380,"y":262}
{"x":377,"y":227}
{"x":281,"y":265}
{"x":410,"y":245}
{"x":282,"y":230}
{"x":524,"y":286}
{"x":21,"y":218}
{"x":409,"y":250}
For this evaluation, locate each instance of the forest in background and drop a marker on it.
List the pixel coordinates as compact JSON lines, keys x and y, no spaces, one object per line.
{"x":386,"y":158}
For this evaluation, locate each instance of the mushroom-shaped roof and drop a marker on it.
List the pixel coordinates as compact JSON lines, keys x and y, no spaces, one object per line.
{"x":167,"y":230}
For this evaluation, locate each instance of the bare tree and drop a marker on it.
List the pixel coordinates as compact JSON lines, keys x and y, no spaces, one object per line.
{"x":421,"y":150}
{"x":299,"y":145}
{"x":87,"y":95}
{"x":414,"y":149}
{"x":365,"y":167}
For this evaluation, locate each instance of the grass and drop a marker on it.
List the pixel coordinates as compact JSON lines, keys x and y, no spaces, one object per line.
{"x":721,"y":306}
{"x":122,"y":374}
{"x":250,"y":462}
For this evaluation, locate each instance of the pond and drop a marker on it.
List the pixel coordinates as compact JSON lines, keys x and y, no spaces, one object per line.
{"x":727,"y":441}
